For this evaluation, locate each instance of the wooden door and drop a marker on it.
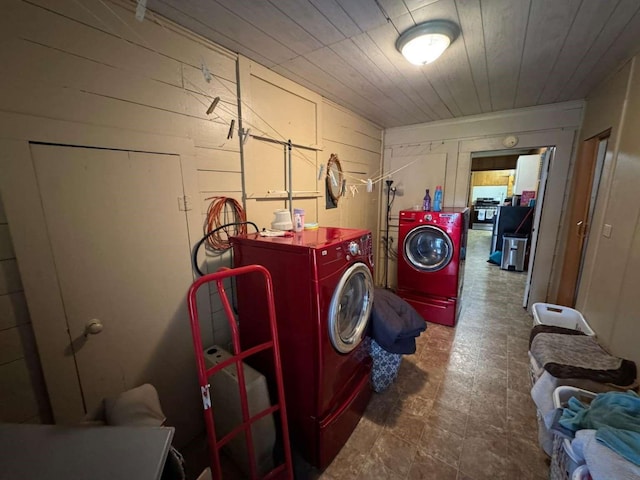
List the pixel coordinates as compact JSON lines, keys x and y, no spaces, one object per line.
{"x":586,"y":179}
{"x":121,"y":254}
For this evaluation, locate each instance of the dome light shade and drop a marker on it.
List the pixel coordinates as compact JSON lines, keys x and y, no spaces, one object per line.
{"x":425,"y":42}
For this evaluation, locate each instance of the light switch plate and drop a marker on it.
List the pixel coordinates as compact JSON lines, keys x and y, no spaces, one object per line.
{"x":606,"y":230}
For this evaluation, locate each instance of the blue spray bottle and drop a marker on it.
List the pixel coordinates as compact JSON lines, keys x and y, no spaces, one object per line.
{"x":437,"y":199}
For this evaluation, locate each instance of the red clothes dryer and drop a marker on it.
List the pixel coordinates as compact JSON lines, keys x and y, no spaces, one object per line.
{"x":431,"y":261}
{"x":323,"y":294}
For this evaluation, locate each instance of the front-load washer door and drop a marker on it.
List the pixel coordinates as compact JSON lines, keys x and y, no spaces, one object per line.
{"x":350,"y":308}
{"x":427,"y":248}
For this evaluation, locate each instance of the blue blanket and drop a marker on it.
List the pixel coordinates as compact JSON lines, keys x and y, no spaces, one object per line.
{"x":616,"y":418}
{"x":394,"y":323}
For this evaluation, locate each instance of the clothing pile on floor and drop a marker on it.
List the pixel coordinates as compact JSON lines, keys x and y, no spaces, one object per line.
{"x":393,"y":328}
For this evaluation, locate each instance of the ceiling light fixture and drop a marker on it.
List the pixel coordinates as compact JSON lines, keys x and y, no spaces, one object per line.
{"x":425,"y":42}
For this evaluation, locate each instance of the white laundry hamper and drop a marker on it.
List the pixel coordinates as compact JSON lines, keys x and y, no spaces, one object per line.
{"x":564,"y":461}
{"x":560,"y":316}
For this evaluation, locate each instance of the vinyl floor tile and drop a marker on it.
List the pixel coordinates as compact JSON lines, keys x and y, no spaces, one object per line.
{"x":460,"y":408}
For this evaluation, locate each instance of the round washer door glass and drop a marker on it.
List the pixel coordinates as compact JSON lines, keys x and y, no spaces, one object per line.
{"x":428,"y":248}
{"x":350,"y":308}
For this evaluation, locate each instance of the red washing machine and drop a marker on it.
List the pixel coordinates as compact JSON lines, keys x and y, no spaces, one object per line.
{"x":431,"y":263}
{"x":323,"y":294}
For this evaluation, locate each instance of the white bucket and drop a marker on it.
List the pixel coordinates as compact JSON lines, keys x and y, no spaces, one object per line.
{"x":282,"y":220}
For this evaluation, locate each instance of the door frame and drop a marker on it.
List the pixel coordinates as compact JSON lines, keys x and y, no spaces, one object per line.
{"x":543,"y":176}
{"x":19,"y":189}
{"x":578,"y":235}
{"x":542,"y":279}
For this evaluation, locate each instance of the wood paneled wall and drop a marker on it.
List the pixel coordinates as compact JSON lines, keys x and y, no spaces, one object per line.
{"x":22,"y":390}
{"x":608,"y":289}
{"x":358,"y":144}
{"x":439,"y":153}
{"x":91,"y":75}
{"x":491,"y":178}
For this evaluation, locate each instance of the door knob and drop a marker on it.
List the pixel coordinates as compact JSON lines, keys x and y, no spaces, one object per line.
{"x":93,"y":327}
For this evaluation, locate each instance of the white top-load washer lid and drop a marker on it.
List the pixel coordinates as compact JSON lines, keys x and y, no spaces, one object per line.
{"x":350,"y":308}
{"x":428,"y":248}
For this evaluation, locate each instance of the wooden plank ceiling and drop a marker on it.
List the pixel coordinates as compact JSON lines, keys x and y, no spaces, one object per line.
{"x":510,"y":53}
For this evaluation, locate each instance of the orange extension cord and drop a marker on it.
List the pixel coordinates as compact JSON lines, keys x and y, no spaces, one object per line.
{"x":223,"y":211}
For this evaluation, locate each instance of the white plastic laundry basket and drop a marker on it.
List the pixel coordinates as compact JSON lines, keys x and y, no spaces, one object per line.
{"x":560,"y":316}
{"x":581,"y":473}
{"x":564,"y":461}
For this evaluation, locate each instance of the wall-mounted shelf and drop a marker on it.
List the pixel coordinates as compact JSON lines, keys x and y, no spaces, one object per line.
{"x":276,"y":194}
{"x":315,"y":148}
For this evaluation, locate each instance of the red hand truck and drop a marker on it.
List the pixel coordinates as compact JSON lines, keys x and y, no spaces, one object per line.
{"x":284,"y":471}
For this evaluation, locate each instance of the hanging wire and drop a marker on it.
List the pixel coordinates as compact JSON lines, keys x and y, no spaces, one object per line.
{"x":235,"y":95}
{"x":225,"y":218}
{"x":387,"y":244}
{"x":145,"y":43}
{"x":222,"y":107}
{"x":385,"y":175}
{"x":224,"y":211}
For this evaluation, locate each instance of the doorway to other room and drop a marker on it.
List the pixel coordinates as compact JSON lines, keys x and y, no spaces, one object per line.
{"x":506,"y":192}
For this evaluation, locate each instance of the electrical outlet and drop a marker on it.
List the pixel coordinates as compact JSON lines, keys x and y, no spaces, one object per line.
{"x":606,"y":230}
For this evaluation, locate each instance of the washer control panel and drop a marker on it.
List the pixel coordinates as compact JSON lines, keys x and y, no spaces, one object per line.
{"x":360,"y":248}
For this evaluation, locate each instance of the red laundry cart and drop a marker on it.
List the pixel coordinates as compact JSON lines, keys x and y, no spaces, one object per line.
{"x":270,"y":346}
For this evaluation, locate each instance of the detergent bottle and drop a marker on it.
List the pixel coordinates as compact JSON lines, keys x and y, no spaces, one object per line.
{"x":426,"y":202}
{"x":437,"y":199}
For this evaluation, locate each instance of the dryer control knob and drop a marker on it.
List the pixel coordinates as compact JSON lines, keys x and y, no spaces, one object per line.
{"x":354,"y":248}
{"x":428,"y":217}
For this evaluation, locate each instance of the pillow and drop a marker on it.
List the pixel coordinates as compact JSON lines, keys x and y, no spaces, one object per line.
{"x":139,"y":406}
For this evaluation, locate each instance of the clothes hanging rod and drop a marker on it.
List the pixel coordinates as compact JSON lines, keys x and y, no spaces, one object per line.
{"x":282,"y":142}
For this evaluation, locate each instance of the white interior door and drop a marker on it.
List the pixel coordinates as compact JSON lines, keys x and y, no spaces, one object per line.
{"x":121,"y":254}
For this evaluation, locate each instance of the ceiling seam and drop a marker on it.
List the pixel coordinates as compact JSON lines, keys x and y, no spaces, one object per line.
{"x":486,"y":60}
{"x":555,"y":61}
{"x":524,"y":43}
{"x":339,"y":82}
{"x":374,"y":65}
{"x":407,"y":80}
{"x":607,"y":49}
{"x":466,"y":50}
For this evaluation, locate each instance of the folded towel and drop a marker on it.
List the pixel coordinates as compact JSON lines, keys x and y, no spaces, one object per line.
{"x":580,"y":356}
{"x":538,"y":329}
{"x":610,"y":409}
{"x":394,"y":323}
{"x":603,"y":463}
{"x":615,"y":416}
{"x":542,"y":393}
{"x":624,"y":442}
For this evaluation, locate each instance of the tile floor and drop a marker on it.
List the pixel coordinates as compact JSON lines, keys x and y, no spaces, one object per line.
{"x":460,"y":408}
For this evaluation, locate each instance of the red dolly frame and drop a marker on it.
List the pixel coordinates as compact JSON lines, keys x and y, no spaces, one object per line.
{"x":284,"y":470}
